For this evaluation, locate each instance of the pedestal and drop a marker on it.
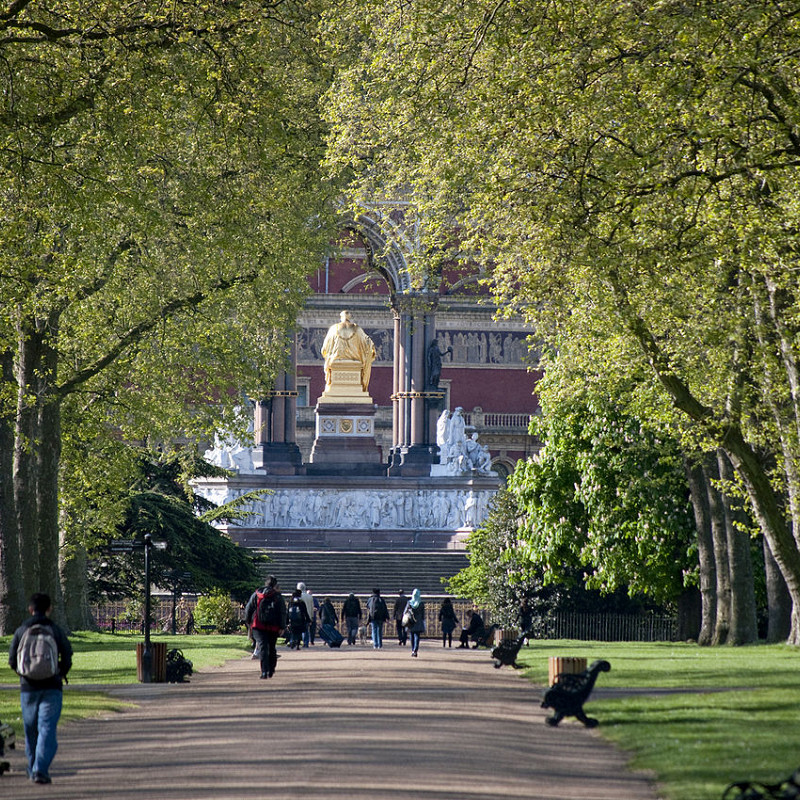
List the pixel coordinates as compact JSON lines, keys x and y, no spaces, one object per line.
{"x":281,"y":458}
{"x":345,"y":385}
{"x":345,"y":439}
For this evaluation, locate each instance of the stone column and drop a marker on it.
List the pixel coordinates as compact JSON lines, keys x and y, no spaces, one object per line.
{"x":276,"y":424}
{"x":414,"y":320}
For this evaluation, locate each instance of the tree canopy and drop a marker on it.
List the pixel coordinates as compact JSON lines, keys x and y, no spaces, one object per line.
{"x":197,"y":557}
{"x":633,"y":166}
{"x":162,"y":205}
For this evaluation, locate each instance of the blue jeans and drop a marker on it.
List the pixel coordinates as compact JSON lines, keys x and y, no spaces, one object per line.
{"x":414,"y":642}
{"x":41,"y":710}
{"x":377,"y":634}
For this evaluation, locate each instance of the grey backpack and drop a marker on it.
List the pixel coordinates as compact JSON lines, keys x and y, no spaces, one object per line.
{"x":37,"y":654}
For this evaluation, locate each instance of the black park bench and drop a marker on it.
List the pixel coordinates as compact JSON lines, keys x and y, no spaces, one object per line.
{"x":788,"y":789}
{"x":485,"y":637}
{"x":505,"y":654}
{"x":569,"y":692}
{"x":7,"y":740}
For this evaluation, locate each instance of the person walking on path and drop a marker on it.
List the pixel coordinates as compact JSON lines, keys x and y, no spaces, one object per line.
{"x":414,"y":616}
{"x":327,"y":613}
{"x":399,"y":607}
{"x":298,"y":620}
{"x":378,"y":614}
{"x":41,"y":655}
{"x":308,"y":599}
{"x":351,"y":614}
{"x":447,"y":617}
{"x":265,"y":615}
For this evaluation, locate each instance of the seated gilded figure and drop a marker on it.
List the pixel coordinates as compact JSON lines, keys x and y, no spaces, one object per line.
{"x":346,"y":341}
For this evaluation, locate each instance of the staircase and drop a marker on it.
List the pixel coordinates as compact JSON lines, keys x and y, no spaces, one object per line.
{"x":337,"y":573}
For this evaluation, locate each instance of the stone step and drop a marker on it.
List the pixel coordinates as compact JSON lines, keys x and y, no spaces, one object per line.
{"x":338,"y":573}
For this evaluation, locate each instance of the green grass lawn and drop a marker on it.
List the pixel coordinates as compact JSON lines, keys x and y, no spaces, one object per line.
{"x":697,"y":740}
{"x":103,"y":658}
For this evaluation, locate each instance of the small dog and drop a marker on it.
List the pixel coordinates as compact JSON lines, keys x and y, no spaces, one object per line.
{"x":363,"y":634}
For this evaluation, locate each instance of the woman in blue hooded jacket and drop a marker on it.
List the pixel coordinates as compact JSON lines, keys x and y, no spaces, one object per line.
{"x":417,"y":625}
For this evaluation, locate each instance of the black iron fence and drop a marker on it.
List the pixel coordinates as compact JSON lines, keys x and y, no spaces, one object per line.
{"x":581,"y":626}
{"x":610,"y":627}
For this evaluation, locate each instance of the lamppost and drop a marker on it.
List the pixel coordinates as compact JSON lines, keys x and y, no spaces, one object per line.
{"x":147,"y":653}
{"x":121,"y":546}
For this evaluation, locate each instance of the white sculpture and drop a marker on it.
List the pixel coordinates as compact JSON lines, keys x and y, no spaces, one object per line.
{"x":459,"y":455}
{"x":229,"y":453}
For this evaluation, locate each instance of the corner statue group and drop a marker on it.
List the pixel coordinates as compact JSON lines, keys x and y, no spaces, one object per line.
{"x":346,"y":341}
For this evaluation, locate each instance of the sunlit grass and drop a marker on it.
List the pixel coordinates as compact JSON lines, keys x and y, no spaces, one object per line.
{"x":111,"y":658}
{"x":694,"y":739}
{"x":103,"y":658}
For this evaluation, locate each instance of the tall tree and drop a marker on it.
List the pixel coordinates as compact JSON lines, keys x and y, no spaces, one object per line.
{"x":606,"y":496}
{"x":161,"y":206}
{"x":638,"y":162}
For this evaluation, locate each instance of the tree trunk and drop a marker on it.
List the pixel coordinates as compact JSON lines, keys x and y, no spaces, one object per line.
{"x":779,"y":604}
{"x":25,"y":467}
{"x":12,"y":592}
{"x":743,"y":622}
{"x":75,"y":584}
{"x":769,"y":515}
{"x":765,"y":502}
{"x":690,"y":614}
{"x":47,"y":501}
{"x":719,"y":538}
{"x":705,"y":552}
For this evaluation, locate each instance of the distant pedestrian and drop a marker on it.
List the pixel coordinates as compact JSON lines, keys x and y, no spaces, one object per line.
{"x":351,"y":614}
{"x":327,"y":613}
{"x":415,"y":616}
{"x":265,"y":615}
{"x":41,"y":655}
{"x":298,"y":620}
{"x":308,"y":599}
{"x":399,"y":607}
{"x":378,"y":614}
{"x":447,"y":617}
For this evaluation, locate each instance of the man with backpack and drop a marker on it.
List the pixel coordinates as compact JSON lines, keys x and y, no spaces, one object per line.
{"x":265,"y":614}
{"x":41,"y":655}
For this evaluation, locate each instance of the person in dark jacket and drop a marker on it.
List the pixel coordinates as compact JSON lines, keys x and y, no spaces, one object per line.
{"x":266,"y":635}
{"x":447,"y":617}
{"x":377,"y":614}
{"x":351,"y":614}
{"x":417,"y":626}
{"x":41,"y":700}
{"x":327,"y":613}
{"x":299,"y":620}
{"x":399,"y":607}
{"x":474,"y":629}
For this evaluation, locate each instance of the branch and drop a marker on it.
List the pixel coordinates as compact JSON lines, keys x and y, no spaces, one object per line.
{"x":138,"y":332}
{"x":680,"y":393}
{"x":772,"y":104}
{"x":14,"y":9}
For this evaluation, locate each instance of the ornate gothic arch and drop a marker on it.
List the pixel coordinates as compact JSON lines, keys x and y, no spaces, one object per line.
{"x":390,"y":246}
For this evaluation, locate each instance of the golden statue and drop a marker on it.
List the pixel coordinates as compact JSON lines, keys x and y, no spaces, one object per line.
{"x":346,"y":341}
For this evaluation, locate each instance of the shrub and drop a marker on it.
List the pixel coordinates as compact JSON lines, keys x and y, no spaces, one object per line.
{"x":217,"y":609}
